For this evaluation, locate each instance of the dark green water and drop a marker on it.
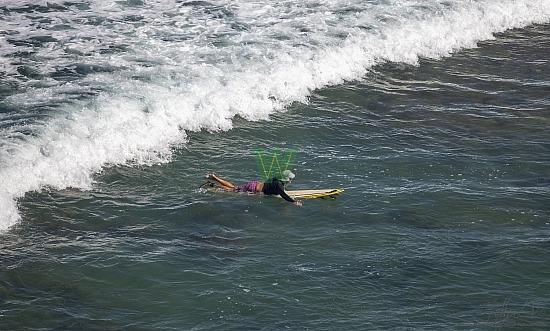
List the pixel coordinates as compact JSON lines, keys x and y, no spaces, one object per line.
{"x":444,"y":224}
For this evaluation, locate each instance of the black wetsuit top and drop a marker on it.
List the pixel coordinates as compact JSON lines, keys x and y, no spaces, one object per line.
{"x":275,"y":187}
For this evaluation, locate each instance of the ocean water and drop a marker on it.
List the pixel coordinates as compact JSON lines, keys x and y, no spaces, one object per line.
{"x":432,"y":115}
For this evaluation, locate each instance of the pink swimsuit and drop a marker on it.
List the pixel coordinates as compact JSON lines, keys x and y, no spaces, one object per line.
{"x":248,"y":187}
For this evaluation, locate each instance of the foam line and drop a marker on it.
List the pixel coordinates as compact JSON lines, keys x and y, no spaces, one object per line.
{"x":155,"y":92}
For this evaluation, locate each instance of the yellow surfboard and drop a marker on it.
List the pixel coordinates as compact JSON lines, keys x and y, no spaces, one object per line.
{"x":312,"y":194}
{"x":297,"y":194}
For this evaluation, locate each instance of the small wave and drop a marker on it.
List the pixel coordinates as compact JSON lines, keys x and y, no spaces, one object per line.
{"x":144,"y":92}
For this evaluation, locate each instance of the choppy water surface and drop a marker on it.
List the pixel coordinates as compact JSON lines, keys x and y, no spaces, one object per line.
{"x":111,"y":112}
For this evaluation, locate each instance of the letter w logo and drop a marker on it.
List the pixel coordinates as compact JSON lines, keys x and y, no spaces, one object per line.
{"x":268,"y":168}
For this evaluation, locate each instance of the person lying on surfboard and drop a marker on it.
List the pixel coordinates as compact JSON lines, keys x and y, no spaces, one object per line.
{"x":273,"y":187}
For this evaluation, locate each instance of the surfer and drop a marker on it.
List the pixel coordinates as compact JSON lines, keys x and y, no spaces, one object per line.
{"x":273,"y":187}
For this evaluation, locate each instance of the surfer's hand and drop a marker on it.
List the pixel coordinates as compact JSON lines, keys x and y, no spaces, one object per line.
{"x":298,"y":203}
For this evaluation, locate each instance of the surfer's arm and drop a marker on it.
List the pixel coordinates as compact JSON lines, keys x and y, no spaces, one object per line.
{"x":285,"y":196}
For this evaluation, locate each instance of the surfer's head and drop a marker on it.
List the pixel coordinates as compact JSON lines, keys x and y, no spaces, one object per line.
{"x":287,"y":176}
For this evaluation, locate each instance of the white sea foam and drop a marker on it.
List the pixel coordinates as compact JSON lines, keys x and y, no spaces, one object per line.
{"x":177,"y":69}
